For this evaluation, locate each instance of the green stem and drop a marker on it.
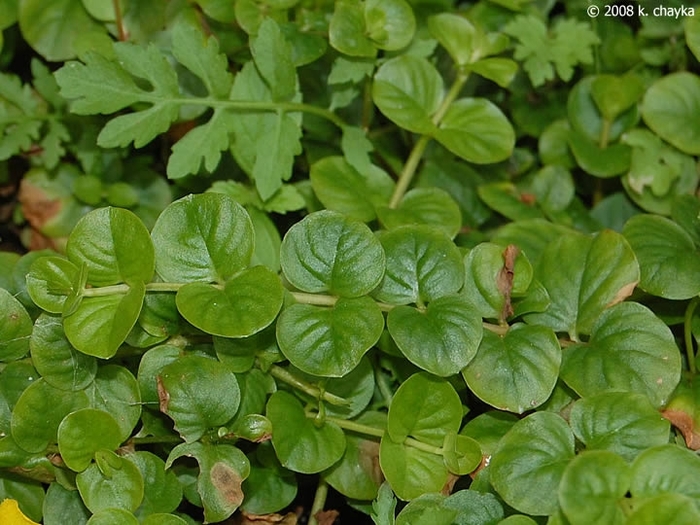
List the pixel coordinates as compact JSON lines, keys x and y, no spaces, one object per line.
{"x":688,"y":333}
{"x":414,"y":158}
{"x":605,"y":133}
{"x":329,"y":300}
{"x":319,"y":501}
{"x":287,"y":377}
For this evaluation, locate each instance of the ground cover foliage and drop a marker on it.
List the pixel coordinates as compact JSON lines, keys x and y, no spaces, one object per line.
{"x":417,"y":261}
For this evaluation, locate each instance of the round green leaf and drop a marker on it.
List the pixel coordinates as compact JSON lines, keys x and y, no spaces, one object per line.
{"x":50,"y":281}
{"x":456,"y":34}
{"x":668,"y":108}
{"x":622,"y":422}
{"x":63,"y":506}
{"x":461,"y":453}
{"x":425,"y":408}
{"x":431,"y":206}
{"x":301,"y":445}
{"x":529,"y":463}
{"x":477,"y":131}
{"x":422,"y":264}
{"x":327,"y":251}
{"x":467,"y":507}
{"x":198,"y":393}
{"x":666,"y":469}
{"x":411,"y":472}
{"x":150,"y":366}
{"x":15,"y":328}
{"x":206,"y":237}
{"x":111,"y":516}
{"x":668,"y":260}
{"x":666,"y":508}
{"x":593,"y":488}
{"x":442,"y":338}
{"x":39,"y":411}
{"x":162,"y":490}
{"x":61,"y":365}
{"x":15,"y":377}
{"x":515,"y":372}
{"x":600,"y":162}
{"x":115,"y":245}
{"x":346,"y":31}
{"x":270,"y":487}
{"x":488,"y":429}
{"x":331,"y":341}
{"x":615,"y":94}
{"x":84,"y":432}
{"x":408,"y":90}
{"x":116,"y":391}
{"x":118,"y":484}
{"x":222,"y":471}
{"x":630,"y":349}
{"x":248,"y":303}
{"x":584,"y":275}
{"x":390,"y":24}
{"x":101,"y":324}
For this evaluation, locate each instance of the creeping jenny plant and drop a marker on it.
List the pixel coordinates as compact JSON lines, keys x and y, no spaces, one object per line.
{"x":438,"y":259}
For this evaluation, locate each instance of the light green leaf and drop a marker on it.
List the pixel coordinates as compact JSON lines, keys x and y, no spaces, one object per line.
{"x":516,"y":372}
{"x":116,"y":391}
{"x":630,"y":350}
{"x":327,"y":251}
{"x":383,"y":506}
{"x":390,"y":24}
{"x":442,"y":338}
{"x":15,"y":328}
{"x":666,"y":508}
{"x":273,"y":58}
{"x":410,"y":471}
{"x":477,"y":131}
{"x":666,"y":469}
{"x":198,"y":394}
{"x":528,"y":465}
{"x":408,"y":90}
{"x":301,"y":445}
{"x":457,"y":35}
{"x":206,"y":237}
{"x":615,"y":94}
{"x":347,"y":30}
{"x":356,"y":148}
{"x":431,"y":206}
{"x":600,"y":162}
{"x":112,"y":482}
{"x":329,"y":342}
{"x":112,"y":516}
{"x":82,"y":433}
{"x":465,"y":507}
{"x":162,"y":490}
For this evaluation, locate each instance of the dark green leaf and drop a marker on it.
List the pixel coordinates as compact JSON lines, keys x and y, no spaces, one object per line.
{"x":63,"y":506}
{"x":116,"y":391}
{"x":162,"y":490}
{"x":601,"y":162}
{"x":270,"y":487}
{"x":431,"y":206}
{"x":15,"y":328}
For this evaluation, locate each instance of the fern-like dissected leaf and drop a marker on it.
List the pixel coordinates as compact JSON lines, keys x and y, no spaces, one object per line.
{"x":569,"y":44}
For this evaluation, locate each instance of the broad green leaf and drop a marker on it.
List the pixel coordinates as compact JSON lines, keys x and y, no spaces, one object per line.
{"x":269,"y":487}
{"x":468,"y":507}
{"x":630,"y":350}
{"x":15,"y":377}
{"x":498,"y":69}
{"x":115,"y":246}
{"x":686,"y":213}
{"x":273,"y":58}
{"x":101,"y":10}
{"x":115,"y":482}
{"x":667,"y":108}
{"x":461,"y":454}
{"x":247,"y":303}
{"x":528,"y":465}
{"x":198,"y":394}
{"x":408,"y":90}
{"x":665,"y":508}
{"x":39,"y":411}
{"x":593,"y":488}
{"x":327,"y":251}
{"x":82,"y":433}
{"x":517,"y":371}
{"x":621,"y":422}
{"x":668,"y":259}
{"x":457,"y":35}
{"x":15,"y":328}
{"x":64,"y":506}
{"x":356,"y":147}
{"x":432,"y":206}
{"x":116,"y":391}
{"x":240,"y":354}
{"x":553,"y":188}
{"x":53,"y":30}
{"x":410,"y":471}
{"x":442,"y":338}
{"x":666,"y":469}
{"x":150,"y":366}
{"x":112,"y":516}
{"x":692,"y":35}
{"x":358,"y":475}
{"x":50,"y":281}
{"x":584,"y":276}
{"x":488,"y":428}
{"x":425,"y":408}
{"x":347,"y":30}
{"x":329,"y":342}
{"x":101,"y":323}
{"x":390,"y":24}
{"x":615,"y":94}
{"x":422,"y":264}
{"x":352,"y":192}
{"x":510,"y":201}
{"x":600,"y":162}
{"x":162,"y":490}
{"x":222,"y":470}
{"x":301,"y":445}
{"x":477,"y":131}
{"x":206,"y":237}
{"x":531,"y":236}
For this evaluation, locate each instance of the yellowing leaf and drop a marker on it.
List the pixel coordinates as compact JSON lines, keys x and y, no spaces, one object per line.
{"x":11,"y":515}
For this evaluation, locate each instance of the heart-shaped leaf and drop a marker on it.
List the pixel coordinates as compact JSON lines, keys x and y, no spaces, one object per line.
{"x":517,"y":371}
{"x":162,"y":490}
{"x":410,"y":471}
{"x":329,"y":342}
{"x":113,"y":483}
{"x":50,"y":281}
{"x":248,"y":303}
{"x":432,"y":206}
{"x":613,"y":95}
{"x":82,"y":433}
{"x":441,"y":339}
{"x":630,"y":350}
{"x":327,"y":251}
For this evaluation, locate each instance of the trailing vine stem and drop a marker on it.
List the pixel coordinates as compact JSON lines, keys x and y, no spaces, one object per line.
{"x":319,"y":501}
{"x":688,"y":333}
{"x":287,"y":377}
{"x":414,"y":158}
